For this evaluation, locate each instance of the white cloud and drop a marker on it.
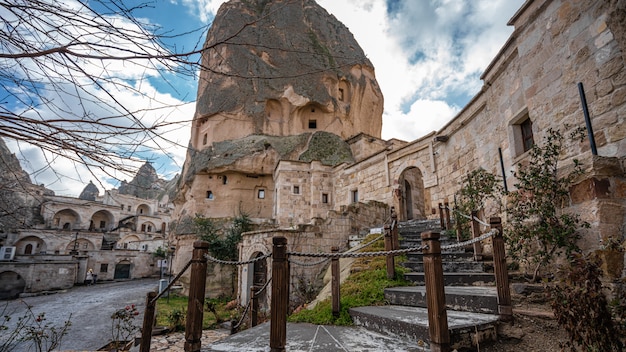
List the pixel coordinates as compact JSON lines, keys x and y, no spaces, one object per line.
{"x":428,"y":56}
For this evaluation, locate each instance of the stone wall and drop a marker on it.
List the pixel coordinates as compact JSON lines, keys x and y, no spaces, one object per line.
{"x":42,"y":276}
{"x":555,"y":45}
{"x":333,"y":231}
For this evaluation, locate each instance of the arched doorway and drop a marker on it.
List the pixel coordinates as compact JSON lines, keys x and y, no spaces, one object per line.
{"x":122,"y":270}
{"x":28,"y":249}
{"x":259,"y":277}
{"x":411,"y":195}
{"x":11,"y":285}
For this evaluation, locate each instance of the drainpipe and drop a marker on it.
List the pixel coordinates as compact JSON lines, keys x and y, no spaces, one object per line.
{"x":583,"y":101}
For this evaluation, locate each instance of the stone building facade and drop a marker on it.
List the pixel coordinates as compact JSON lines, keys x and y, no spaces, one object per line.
{"x":529,"y":87}
{"x":115,"y":235}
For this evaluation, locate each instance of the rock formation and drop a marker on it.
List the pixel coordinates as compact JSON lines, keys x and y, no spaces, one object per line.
{"x":281,"y":80}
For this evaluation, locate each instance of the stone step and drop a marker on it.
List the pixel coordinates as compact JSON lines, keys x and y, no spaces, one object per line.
{"x":456,"y":279}
{"x":460,"y":298}
{"x":445,"y":256}
{"x":412,"y":323}
{"x":449,"y":266}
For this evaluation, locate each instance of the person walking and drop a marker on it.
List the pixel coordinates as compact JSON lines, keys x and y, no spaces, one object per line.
{"x":89,"y":278}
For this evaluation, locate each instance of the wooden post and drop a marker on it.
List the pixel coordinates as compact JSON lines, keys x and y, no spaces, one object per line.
{"x":280,"y":295}
{"x":394,"y":229}
{"x":335,"y":283}
{"x":442,"y":223}
{"x":391,"y":266}
{"x":148,"y":322}
{"x":505,"y":310}
{"x":254,"y":312}
{"x":478,"y":247}
{"x":195,"y":305}
{"x":435,"y":295}
{"x":448,"y":222}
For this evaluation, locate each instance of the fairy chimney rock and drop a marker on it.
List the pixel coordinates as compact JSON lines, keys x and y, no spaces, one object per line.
{"x":283,"y":68}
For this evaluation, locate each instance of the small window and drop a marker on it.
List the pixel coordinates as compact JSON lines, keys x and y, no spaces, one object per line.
{"x":527,"y":134}
{"x":312,"y":124}
{"x":104,"y":268}
{"x":204,"y":139}
{"x":296,"y":189}
{"x":354,"y":196}
{"x":103,"y":224}
{"x":209,"y":195}
{"x":141,"y":211}
{"x":224,"y":180}
{"x":261,"y":194}
{"x":149,"y":228}
{"x":143,"y":227}
{"x":85,"y":245}
{"x":122,"y":207}
{"x":129,"y":208}
{"x":325,"y":198}
{"x":341,"y":94}
{"x":312,"y":109}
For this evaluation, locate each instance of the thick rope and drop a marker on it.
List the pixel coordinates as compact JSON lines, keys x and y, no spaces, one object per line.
{"x":172,"y":282}
{"x":359,"y":255}
{"x":348,"y":251}
{"x":226,"y":262}
{"x":484,"y":236}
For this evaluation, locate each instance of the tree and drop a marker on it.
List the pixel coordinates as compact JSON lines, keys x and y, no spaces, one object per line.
{"x":64,"y":74}
{"x":538,"y":228}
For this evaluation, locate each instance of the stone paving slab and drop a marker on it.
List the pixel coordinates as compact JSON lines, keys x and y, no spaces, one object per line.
{"x":315,"y":338}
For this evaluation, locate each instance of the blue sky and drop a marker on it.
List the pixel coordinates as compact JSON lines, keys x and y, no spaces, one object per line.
{"x":428,"y":56}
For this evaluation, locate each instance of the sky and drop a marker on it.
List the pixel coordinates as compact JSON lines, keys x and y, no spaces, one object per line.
{"x":428,"y":56}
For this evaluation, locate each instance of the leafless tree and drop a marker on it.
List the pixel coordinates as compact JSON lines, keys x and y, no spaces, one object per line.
{"x":65,"y":84}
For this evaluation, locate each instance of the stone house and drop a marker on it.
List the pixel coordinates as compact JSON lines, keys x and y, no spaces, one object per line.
{"x":115,"y":235}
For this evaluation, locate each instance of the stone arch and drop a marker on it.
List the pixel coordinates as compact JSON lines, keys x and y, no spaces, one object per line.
{"x":144,"y":209}
{"x":80,"y":245}
{"x":147,"y":226}
{"x":247,"y":272}
{"x":66,"y":219}
{"x":122,"y":270}
{"x":30,"y":245}
{"x":102,"y":220}
{"x":410,"y":194}
{"x":312,"y":118}
{"x":127,"y":241}
{"x":11,"y":284}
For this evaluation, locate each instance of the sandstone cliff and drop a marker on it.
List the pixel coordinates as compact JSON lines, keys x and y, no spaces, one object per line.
{"x":281,"y":68}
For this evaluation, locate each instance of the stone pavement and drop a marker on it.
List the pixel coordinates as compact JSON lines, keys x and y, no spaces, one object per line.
{"x":314,"y":338}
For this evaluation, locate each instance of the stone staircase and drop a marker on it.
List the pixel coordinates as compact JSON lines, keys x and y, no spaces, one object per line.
{"x":470,"y":292}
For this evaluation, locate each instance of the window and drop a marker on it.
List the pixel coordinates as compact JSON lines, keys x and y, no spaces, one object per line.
{"x":143,"y":227}
{"x":141,"y":211}
{"x":354,"y":196}
{"x":149,"y":228}
{"x":85,"y":245}
{"x":324,"y":198}
{"x":312,"y":124}
{"x":341,"y":94}
{"x":129,"y":208}
{"x":104,"y":268}
{"x":209,"y":195}
{"x":224,"y":180}
{"x":122,"y":206}
{"x":103,"y":224}
{"x":527,"y":134}
{"x":261,"y":194}
{"x":204,"y":139}
{"x":296,"y":189}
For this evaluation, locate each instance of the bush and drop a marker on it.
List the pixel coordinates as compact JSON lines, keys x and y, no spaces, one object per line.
{"x":582,"y":309}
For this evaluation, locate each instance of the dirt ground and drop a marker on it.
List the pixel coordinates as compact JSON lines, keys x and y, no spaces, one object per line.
{"x":534,"y":328}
